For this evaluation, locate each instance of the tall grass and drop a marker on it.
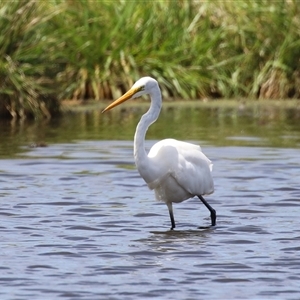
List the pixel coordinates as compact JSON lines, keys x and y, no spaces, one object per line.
{"x":27,"y":73}
{"x":79,"y":49}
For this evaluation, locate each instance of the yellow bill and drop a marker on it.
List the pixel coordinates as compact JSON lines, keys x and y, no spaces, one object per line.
{"x":128,"y":95}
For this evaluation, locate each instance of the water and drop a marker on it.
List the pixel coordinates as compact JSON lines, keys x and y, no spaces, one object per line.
{"x":77,"y":221}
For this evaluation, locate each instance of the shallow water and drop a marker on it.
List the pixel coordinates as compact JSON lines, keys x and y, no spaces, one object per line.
{"x":77,"y":222}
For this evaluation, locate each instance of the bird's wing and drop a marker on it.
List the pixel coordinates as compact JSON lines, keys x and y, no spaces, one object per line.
{"x":186,"y":163}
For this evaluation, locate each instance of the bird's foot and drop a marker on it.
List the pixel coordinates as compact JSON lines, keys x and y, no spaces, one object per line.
{"x":206,"y":227}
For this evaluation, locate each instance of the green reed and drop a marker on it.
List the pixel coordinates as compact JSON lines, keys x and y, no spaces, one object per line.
{"x":76,"y":49}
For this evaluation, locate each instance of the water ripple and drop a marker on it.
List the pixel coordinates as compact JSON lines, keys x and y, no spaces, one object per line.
{"x":77,"y":222}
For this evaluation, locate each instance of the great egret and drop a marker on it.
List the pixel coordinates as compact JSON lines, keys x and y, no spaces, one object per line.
{"x":175,"y":170}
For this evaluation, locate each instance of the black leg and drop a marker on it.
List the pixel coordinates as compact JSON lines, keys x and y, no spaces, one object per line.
{"x":171,"y":215}
{"x":213,"y":215}
{"x":172,"y":219}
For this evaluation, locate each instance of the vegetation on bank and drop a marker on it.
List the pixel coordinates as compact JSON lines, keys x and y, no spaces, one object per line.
{"x":83,"y":49}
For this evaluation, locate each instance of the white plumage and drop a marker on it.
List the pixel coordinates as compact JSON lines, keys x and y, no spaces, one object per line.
{"x":175,"y":170}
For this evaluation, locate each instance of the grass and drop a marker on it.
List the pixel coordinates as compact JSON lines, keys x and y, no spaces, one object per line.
{"x":76,"y":49}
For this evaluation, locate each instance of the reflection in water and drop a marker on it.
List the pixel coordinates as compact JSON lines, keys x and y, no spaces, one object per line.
{"x":78,"y":222}
{"x":255,"y":124}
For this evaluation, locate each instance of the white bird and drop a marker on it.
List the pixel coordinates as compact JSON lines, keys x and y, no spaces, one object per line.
{"x":175,"y":170}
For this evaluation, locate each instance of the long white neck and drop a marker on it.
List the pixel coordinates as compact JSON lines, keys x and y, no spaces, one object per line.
{"x":141,"y":158}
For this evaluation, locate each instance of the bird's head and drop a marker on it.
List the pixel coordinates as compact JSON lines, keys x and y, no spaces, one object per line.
{"x":141,"y":87}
